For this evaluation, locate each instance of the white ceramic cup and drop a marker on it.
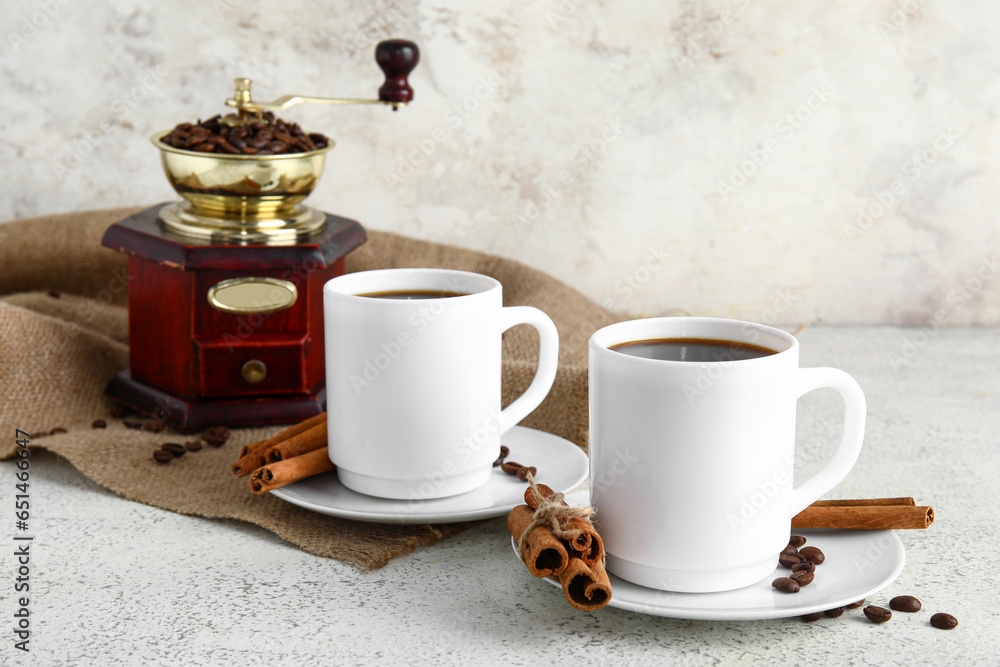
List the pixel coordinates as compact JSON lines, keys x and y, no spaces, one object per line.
{"x":413,"y":386}
{"x":691,"y":463}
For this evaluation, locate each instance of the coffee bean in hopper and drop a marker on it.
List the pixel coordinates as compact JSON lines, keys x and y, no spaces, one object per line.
{"x":877,"y":614}
{"x":906,"y":603}
{"x":944,"y":621}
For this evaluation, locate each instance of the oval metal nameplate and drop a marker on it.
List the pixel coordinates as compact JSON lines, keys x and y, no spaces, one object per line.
{"x":252,"y":294}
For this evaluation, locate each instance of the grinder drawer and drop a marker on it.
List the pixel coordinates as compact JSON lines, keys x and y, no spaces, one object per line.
{"x":260,"y":365}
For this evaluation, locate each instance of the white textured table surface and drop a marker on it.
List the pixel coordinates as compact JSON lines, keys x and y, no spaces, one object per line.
{"x":118,"y":582}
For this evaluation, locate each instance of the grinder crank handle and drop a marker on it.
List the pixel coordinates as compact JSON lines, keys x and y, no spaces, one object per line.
{"x":397,"y":58}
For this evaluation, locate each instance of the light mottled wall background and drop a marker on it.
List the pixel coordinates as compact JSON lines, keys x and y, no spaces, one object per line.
{"x":773,"y":160}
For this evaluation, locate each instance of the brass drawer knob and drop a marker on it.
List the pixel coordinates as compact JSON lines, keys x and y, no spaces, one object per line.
{"x":254,"y":371}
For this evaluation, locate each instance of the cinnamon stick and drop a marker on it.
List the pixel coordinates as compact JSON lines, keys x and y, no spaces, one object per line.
{"x":289,"y":432}
{"x":277,"y":475}
{"x":303,"y":443}
{"x":865,"y":517}
{"x":864,"y":502}
{"x":252,"y":456}
{"x":545,"y":554}
{"x":586,"y":587}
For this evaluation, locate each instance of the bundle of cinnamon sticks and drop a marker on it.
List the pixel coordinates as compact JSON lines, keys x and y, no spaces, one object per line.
{"x":557,"y":540}
{"x":294,"y":454}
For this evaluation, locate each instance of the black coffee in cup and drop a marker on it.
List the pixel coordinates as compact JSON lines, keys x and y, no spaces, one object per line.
{"x":410,"y":295}
{"x":698,"y":350}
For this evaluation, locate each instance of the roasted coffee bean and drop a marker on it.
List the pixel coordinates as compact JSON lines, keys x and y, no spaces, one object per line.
{"x":788,"y":560}
{"x":510,"y":467}
{"x":134,"y":425}
{"x":54,"y":294}
{"x":522,"y":474}
{"x":906,"y":603}
{"x":504,"y":452}
{"x":786,"y":585}
{"x":193,"y":446}
{"x":790,"y":550}
{"x":796,"y":541}
{"x":855,"y":605}
{"x":174,"y":448}
{"x":877,"y":614}
{"x":834,"y":613}
{"x":99,"y":423}
{"x":807,"y":566}
{"x":815,"y":616}
{"x":153,"y":425}
{"x":944,"y":621}
{"x":216,"y":435}
{"x":57,"y":430}
{"x":804,"y":577}
{"x":273,"y":135}
{"x":162,"y":455}
{"x":813,"y":555}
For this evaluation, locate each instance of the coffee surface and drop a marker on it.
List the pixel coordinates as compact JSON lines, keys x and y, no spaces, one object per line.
{"x":410,"y":295}
{"x":693,"y":349}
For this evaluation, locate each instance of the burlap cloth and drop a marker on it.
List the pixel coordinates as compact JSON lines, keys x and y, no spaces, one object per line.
{"x":60,"y":349}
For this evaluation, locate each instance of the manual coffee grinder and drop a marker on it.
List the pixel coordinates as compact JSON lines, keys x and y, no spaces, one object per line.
{"x":225,"y":289}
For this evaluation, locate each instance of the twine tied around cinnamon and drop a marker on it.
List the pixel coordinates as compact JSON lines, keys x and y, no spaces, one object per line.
{"x":550,"y":513}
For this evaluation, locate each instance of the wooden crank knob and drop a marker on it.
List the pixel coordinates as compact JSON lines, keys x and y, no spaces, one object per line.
{"x":397,"y":58}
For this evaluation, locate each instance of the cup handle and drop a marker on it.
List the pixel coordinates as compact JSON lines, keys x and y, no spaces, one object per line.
{"x":548,"y":362}
{"x":850,"y":442}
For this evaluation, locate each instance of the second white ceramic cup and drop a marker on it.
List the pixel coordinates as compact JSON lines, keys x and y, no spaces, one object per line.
{"x":413,"y":386}
{"x":691,"y":462}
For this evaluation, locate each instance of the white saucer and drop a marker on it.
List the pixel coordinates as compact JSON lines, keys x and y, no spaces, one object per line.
{"x":858,"y":564}
{"x":561,"y":465}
